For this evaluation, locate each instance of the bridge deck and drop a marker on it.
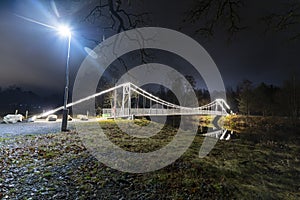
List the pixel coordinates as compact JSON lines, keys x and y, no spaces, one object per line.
{"x":157,"y":112}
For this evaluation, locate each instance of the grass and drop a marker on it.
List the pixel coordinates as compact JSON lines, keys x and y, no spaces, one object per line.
{"x":242,"y":168}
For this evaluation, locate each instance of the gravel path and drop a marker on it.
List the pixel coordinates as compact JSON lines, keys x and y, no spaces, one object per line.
{"x":38,"y":127}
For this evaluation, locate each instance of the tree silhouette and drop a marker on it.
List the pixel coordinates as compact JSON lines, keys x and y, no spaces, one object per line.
{"x":246,"y":97}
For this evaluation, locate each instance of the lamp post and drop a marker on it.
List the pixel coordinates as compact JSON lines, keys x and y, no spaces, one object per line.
{"x":65,"y":31}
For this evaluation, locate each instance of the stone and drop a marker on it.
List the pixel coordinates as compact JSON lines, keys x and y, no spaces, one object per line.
{"x":52,"y":118}
{"x":31,"y":119}
{"x":82,"y":117}
{"x":70,"y":118}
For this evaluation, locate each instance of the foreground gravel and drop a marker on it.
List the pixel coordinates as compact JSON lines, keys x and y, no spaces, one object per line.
{"x":58,"y":166}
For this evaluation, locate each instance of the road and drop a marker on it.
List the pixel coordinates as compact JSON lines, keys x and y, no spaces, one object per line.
{"x":37,"y":127}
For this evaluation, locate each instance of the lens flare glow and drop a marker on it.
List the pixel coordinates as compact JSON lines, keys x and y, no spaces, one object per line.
{"x":36,"y":22}
{"x":64,"y":30}
{"x":61,"y":29}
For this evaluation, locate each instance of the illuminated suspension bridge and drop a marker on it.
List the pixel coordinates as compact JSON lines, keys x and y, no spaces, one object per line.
{"x":135,"y":101}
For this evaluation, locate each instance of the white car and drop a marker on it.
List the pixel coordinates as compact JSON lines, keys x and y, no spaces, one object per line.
{"x":12,"y":119}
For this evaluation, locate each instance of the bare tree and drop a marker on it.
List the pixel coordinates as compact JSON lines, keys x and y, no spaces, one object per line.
{"x":208,"y":14}
{"x":287,"y":20}
{"x":116,"y":15}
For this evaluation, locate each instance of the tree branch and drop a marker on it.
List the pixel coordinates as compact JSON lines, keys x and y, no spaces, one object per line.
{"x":118,"y":20}
{"x":287,"y":20}
{"x":208,"y":14}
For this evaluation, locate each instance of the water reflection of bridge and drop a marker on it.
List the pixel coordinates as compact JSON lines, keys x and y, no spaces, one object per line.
{"x":222,"y":134}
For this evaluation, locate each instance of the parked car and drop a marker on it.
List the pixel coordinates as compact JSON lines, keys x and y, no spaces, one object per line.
{"x":12,"y":119}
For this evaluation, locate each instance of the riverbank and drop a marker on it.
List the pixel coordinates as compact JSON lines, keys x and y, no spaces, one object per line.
{"x":58,"y":166}
{"x":242,"y":121}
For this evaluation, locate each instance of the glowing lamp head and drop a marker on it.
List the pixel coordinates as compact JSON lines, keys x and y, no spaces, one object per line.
{"x":64,"y":31}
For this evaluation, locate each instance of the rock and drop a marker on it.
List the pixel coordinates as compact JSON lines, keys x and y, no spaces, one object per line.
{"x":13,"y":118}
{"x":31,"y":119}
{"x":52,"y":118}
{"x":82,"y":117}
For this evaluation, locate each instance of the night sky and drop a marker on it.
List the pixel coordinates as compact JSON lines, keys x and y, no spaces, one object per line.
{"x":33,"y":57}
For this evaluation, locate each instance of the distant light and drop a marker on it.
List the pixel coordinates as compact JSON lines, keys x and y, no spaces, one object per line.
{"x":64,"y":30}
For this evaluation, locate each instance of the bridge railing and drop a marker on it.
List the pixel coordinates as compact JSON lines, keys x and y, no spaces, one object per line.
{"x":156,"y":112}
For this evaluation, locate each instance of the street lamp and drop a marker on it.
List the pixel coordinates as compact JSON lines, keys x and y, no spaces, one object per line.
{"x":65,"y":31}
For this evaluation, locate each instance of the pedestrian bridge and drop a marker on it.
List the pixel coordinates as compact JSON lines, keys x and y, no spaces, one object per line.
{"x":138,"y":102}
{"x":129,"y":100}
